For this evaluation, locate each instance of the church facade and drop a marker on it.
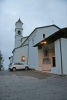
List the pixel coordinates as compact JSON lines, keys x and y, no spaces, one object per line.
{"x":45,"y":49}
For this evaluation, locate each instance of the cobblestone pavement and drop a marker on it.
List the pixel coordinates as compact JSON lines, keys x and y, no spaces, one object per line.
{"x":32,"y":85}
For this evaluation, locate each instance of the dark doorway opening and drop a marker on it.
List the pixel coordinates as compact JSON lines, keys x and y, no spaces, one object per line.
{"x":53,"y":59}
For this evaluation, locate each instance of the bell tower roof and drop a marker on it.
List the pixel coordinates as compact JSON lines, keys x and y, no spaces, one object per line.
{"x":19,"y":21}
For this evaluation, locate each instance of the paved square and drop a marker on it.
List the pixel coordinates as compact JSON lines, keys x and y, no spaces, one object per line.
{"x":32,"y":85}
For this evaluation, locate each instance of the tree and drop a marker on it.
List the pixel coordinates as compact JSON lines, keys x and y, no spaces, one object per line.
{"x":1,"y":61}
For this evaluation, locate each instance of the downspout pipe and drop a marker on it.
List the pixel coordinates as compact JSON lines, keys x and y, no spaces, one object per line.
{"x":28,"y":54}
{"x":61,"y":57}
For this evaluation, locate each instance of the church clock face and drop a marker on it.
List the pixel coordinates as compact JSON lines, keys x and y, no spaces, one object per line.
{"x":19,"y":25}
{"x":19,"y":32}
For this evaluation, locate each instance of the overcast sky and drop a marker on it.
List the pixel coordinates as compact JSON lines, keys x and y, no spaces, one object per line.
{"x":33,"y":13}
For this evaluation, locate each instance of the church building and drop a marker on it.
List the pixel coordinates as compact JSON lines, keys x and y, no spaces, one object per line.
{"x":45,"y":49}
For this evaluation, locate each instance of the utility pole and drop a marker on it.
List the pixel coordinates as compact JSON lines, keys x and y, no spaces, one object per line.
{"x":0,"y":58}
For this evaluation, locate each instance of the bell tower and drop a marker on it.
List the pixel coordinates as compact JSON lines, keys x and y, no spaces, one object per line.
{"x":18,"y":33}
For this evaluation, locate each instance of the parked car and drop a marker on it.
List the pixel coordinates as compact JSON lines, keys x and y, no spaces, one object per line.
{"x":17,"y":66}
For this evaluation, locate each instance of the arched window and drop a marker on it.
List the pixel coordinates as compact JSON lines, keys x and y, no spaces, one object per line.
{"x":19,"y":32}
{"x":46,"y":52}
{"x":23,"y":58}
{"x":43,"y":35}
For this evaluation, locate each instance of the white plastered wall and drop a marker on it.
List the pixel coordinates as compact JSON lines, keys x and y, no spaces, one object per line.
{"x":57,"y":69}
{"x":33,"y":53}
{"x":64,"y":55}
{"x":19,"y":52}
{"x":23,"y":39}
{"x":47,"y":31}
{"x":17,"y":41}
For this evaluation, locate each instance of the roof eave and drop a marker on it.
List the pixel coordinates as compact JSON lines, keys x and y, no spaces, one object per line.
{"x":62,"y":33}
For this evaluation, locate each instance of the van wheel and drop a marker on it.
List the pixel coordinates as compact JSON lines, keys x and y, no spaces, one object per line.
{"x":14,"y":69}
{"x":10,"y":70}
{"x":26,"y":68}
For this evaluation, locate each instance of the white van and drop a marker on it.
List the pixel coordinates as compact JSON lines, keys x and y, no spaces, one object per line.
{"x":16,"y":66}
